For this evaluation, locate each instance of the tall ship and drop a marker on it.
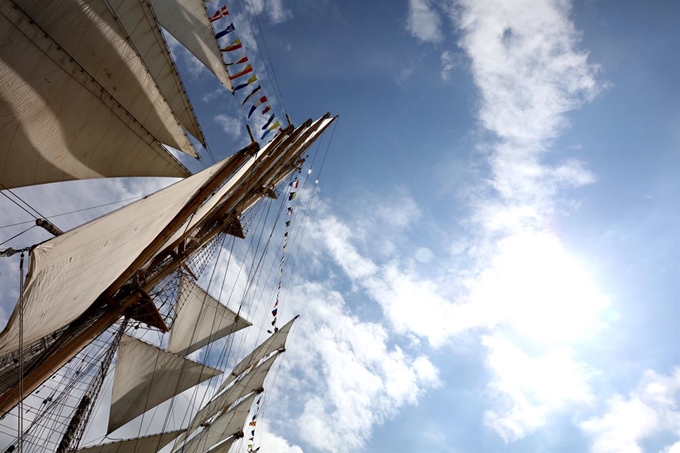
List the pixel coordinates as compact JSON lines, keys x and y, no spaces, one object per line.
{"x":115,"y":328}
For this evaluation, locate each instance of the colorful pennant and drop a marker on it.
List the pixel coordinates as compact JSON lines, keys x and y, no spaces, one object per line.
{"x":256,"y":90}
{"x":225,"y":32}
{"x":256,"y":104}
{"x":219,"y":14}
{"x":253,"y":79}
{"x":243,"y":59}
{"x":248,"y":69}
{"x":235,"y":44}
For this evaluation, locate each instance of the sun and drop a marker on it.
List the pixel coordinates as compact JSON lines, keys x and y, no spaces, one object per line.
{"x":543,"y":292}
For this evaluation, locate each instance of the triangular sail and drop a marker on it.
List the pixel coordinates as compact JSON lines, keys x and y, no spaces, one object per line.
{"x":68,"y":272}
{"x":200,"y":320}
{"x":139,"y":23}
{"x":145,"y":444}
{"x":252,"y":382}
{"x":229,"y":424}
{"x":271,"y":344}
{"x":224,"y":446}
{"x":146,"y":376}
{"x":187,"y":21}
{"x":57,"y":123}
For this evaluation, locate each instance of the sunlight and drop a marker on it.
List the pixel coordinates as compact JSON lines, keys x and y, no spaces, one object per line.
{"x":542,"y":291}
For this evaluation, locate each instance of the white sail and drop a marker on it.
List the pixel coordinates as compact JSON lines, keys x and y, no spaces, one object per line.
{"x":146,"y":376}
{"x":57,"y":123}
{"x":89,"y":34}
{"x":200,"y":320}
{"x":250,"y":383}
{"x":229,"y":424}
{"x":188,"y":22}
{"x":68,"y":272}
{"x":145,"y":444}
{"x":139,"y":23}
{"x":224,"y":446}
{"x":271,"y":344}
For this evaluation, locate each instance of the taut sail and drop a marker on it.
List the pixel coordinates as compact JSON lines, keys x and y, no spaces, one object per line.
{"x":252,"y":382}
{"x":78,"y":105}
{"x":201,"y":320}
{"x":69,"y":272}
{"x":187,"y":21}
{"x":230,"y":424}
{"x":145,"y":444}
{"x":139,"y":22}
{"x":274,"y":343}
{"x":146,"y":376}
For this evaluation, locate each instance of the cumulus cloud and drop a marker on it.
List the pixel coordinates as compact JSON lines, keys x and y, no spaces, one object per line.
{"x":347,"y":379}
{"x":650,"y":409}
{"x":531,"y":388}
{"x":423,"y":22}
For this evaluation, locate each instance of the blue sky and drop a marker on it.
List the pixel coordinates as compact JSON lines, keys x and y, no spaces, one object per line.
{"x":492,"y":260}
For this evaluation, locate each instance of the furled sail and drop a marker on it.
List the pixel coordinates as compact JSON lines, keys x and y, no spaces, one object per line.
{"x":250,"y":383}
{"x":139,"y":23}
{"x":187,"y":21}
{"x":200,"y":320}
{"x":67,"y":273}
{"x":227,"y":425}
{"x":146,"y":376}
{"x":145,"y":444}
{"x":271,"y":344}
{"x":59,"y":123}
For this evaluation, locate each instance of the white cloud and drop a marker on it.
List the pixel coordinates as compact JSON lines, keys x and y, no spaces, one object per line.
{"x":275,"y":9}
{"x":423,"y":21}
{"x":529,"y":72}
{"x":230,"y":125}
{"x":346,"y":377}
{"x":449,"y":61}
{"x":529,"y":389}
{"x":650,"y":409}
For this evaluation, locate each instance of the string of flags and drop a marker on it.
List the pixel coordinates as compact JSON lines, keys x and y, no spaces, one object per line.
{"x":292,"y":195}
{"x":224,"y":27}
{"x":253,"y":425}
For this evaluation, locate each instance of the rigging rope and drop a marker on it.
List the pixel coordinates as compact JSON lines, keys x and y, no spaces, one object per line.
{"x":73,"y":212}
{"x":21,"y":354}
{"x":17,"y":235}
{"x":275,"y":85}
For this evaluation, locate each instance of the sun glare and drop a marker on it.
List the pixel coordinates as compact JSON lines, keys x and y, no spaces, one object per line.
{"x":542,"y":291}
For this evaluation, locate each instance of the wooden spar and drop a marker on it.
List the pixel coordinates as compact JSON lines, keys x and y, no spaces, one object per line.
{"x":64,"y":349}
{"x":116,"y":303}
{"x":201,"y":196}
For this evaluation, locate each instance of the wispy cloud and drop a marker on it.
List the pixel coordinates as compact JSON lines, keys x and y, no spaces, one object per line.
{"x":230,"y":125}
{"x":529,"y":72}
{"x":649,"y":410}
{"x":423,"y":22}
{"x":449,"y":61}
{"x":274,"y":9}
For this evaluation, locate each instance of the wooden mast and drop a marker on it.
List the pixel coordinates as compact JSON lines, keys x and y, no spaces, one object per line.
{"x":117,"y":299}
